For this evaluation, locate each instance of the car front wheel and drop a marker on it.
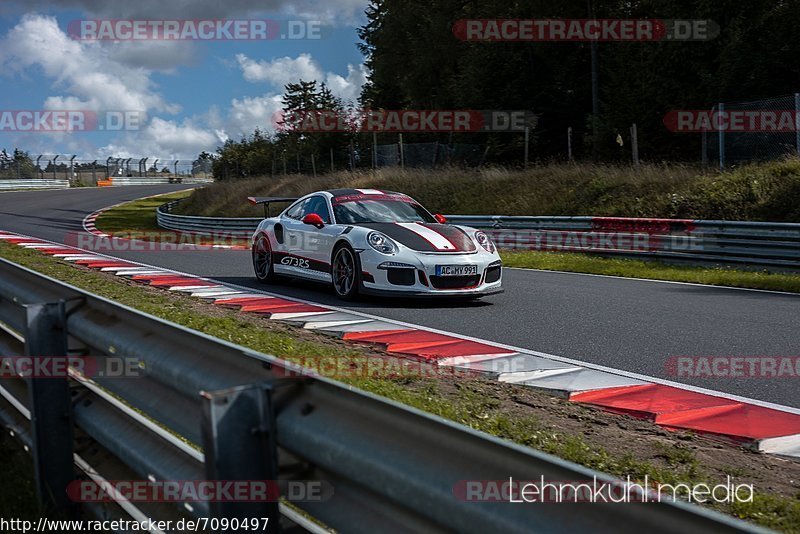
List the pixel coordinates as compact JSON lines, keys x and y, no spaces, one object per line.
{"x":345,"y":272}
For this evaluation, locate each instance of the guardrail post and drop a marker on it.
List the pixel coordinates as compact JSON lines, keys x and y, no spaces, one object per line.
{"x":51,"y":409}
{"x":240,"y":444}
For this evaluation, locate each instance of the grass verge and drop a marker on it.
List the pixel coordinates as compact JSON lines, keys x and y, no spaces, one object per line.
{"x":620,"y":446}
{"x":757,"y":192}
{"x":136,"y":216}
{"x":653,"y":270}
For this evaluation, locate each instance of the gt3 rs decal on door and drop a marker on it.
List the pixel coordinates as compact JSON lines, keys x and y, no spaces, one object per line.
{"x":294,"y":264}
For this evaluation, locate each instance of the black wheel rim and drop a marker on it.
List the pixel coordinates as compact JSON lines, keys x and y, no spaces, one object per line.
{"x":262,"y":258}
{"x":344,"y":271}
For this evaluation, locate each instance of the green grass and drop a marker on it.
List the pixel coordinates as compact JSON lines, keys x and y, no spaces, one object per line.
{"x":653,"y":270}
{"x":467,"y":404}
{"x":136,"y":216}
{"x":763,"y":192}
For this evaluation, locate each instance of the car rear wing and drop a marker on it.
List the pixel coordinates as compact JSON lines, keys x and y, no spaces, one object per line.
{"x":266,"y":201}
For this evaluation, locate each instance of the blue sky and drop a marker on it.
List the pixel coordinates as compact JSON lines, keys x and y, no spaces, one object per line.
{"x":191,"y":95}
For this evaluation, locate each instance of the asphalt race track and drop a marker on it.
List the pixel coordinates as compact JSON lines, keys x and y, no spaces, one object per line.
{"x":632,"y":325}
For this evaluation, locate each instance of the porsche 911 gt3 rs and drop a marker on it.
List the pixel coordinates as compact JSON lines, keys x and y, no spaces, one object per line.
{"x":367,"y":241}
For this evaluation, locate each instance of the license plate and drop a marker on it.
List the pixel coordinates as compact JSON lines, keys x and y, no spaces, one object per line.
{"x":456,"y":270}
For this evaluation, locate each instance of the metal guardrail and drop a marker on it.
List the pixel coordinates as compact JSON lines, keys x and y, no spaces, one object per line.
{"x":747,"y":244}
{"x":204,"y":225}
{"x":206,"y":409}
{"x":33,"y":183}
{"x":156,"y":180}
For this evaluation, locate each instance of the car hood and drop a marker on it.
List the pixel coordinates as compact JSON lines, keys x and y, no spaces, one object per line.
{"x":426,"y":237}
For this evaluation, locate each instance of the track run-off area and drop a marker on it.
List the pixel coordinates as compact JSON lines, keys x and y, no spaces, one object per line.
{"x":636,"y":326}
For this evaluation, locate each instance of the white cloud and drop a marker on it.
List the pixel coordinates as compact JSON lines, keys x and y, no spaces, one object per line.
{"x":164,"y":139}
{"x":162,"y":56}
{"x":249,"y":113}
{"x":93,"y":80}
{"x":348,"y":88}
{"x":281,"y":71}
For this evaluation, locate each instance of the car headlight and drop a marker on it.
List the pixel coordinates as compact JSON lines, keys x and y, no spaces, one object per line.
{"x":382,"y":243}
{"x":484,"y":241}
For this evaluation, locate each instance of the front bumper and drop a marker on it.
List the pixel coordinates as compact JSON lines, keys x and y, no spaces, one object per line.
{"x":418,"y":277}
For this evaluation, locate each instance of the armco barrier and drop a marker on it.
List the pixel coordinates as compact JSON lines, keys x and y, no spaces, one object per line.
{"x":33,"y":184}
{"x":747,"y":244}
{"x":121,"y":181}
{"x":206,"y":409}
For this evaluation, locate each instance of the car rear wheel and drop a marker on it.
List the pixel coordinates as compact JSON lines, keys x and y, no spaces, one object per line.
{"x":262,"y":260}
{"x":345,"y":272}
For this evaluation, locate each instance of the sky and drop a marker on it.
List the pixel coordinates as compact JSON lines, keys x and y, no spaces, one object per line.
{"x":179,"y":97}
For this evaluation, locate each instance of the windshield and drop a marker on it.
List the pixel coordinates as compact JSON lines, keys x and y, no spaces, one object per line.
{"x":380,"y":211}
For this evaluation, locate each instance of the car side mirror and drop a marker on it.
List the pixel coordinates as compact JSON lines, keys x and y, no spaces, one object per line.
{"x":441,"y":219}
{"x":314,"y":220}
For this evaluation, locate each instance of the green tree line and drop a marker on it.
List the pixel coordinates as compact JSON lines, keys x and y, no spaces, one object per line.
{"x":416,"y":61}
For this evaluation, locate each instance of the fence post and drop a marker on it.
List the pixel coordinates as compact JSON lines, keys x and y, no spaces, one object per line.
{"x":51,"y":409}
{"x":313,"y":165}
{"x":527,"y":139}
{"x":721,"y":138}
{"x":797,"y":122}
{"x":54,"y":168}
{"x":704,"y":148}
{"x":402,"y":153}
{"x":332,"y":165}
{"x":72,"y":168}
{"x":38,"y":167}
{"x":352,"y":155}
{"x":569,"y":143}
{"x":239,"y":443}
{"x":635,"y":144}
{"x":374,"y":150}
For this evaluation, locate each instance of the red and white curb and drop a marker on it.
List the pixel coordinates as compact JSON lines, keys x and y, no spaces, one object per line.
{"x":746,"y":422}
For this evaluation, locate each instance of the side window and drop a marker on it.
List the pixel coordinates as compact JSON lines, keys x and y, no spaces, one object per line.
{"x":296,"y":211}
{"x":319,"y":206}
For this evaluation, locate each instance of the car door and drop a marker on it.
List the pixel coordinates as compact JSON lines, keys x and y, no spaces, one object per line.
{"x":317,"y":242}
{"x":288,"y":252}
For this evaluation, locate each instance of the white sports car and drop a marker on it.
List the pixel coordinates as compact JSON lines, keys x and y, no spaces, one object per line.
{"x":366,"y":241}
